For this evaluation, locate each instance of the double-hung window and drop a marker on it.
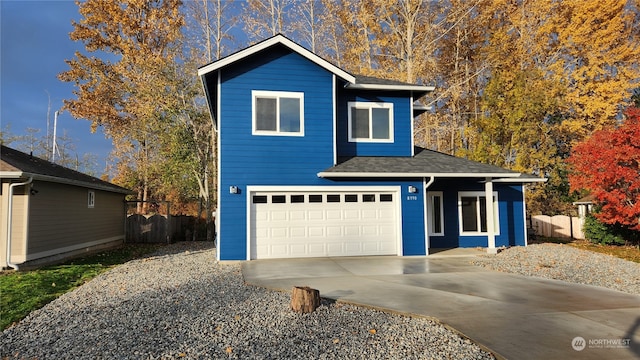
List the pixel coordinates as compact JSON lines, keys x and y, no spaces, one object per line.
{"x":472,"y":210}
{"x":278,"y":113}
{"x":370,"y":122}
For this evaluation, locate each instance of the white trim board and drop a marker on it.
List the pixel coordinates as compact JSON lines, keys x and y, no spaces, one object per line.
{"x":330,"y":174}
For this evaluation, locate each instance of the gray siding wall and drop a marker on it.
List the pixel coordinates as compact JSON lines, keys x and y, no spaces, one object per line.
{"x":60,"y":218}
{"x":18,"y":225}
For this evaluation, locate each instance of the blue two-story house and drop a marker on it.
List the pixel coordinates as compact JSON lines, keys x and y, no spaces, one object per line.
{"x":314,"y":161}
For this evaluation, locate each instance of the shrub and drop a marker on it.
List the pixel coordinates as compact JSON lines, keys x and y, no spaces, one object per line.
{"x":600,"y":233}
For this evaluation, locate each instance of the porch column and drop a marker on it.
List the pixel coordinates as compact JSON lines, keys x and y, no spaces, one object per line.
{"x":491,"y":234}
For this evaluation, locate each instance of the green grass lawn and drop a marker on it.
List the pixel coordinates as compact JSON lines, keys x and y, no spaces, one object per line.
{"x":24,"y":291}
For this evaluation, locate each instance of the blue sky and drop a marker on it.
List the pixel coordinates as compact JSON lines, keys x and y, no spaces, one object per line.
{"x":34,"y":42}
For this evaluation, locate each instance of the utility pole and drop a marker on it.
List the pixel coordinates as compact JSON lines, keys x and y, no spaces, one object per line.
{"x":54,"y":145}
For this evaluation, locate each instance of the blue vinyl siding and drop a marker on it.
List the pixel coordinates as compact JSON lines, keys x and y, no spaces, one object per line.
{"x":233,"y":233}
{"x":510,"y":210}
{"x":261,"y":160}
{"x":402,"y":119}
{"x":248,"y":159}
{"x":276,"y":160}
{"x":413,"y":235}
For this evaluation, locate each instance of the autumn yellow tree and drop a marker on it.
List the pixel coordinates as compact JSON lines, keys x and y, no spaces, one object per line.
{"x":123,"y":81}
{"x":596,"y":48}
{"x":459,"y":73}
{"x":265,"y":18}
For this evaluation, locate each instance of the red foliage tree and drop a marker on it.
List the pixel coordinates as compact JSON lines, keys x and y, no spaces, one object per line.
{"x":608,"y":165}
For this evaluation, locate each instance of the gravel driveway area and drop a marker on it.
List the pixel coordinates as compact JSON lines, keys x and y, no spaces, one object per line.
{"x":566,"y":263}
{"x":182,"y":304}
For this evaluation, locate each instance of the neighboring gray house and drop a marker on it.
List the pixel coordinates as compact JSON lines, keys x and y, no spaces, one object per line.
{"x":50,"y":212}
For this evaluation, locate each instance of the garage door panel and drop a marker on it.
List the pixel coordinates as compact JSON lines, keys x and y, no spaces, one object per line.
{"x":386,"y":230}
{"x":278,"y":215}
{"x":370,"y":230}
{"x":371,"y":246}
{"x":371,"y":214}
{"x":335,"y":249}
{"x":299,"y":232}
{"x":279,"y":233}
{"x":352,"y":231}
{"x":298,"y":249}
{"x":333,"y":214}
{"x":320,"y":224}
{"x":296,"y":215}
{"x":261,"y":216}
{"x":279,"y":250}
{"x":334,"y":231}
{"x":316,"y":231}
{"x":353,"y":247}
{"x":317,"y":248}
{"x":315,"y":214}
{"x":386,"y":247}
{"x":352,"y":214}
{"x":386,"y":213}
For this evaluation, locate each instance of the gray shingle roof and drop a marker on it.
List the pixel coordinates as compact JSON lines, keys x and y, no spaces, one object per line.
{"x":424,"y":163}
{"x":372,"y":83}
{"x":361,"y":79}
{"x":14,"y":161}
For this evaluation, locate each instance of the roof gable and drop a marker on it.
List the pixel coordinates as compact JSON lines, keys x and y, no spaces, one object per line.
{"x":275,"y":40}
{"x":14,"y":163}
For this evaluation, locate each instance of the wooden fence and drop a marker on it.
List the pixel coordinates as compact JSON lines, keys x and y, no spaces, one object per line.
{"x":558,"y":226}
{"x":159,"y":228}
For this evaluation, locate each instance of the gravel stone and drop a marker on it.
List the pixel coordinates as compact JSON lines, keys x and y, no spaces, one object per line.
{"x":180,"y":303}
{"x":566,"y":263}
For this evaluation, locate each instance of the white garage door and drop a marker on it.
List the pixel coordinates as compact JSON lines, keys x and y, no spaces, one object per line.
{"x":317,"y":224}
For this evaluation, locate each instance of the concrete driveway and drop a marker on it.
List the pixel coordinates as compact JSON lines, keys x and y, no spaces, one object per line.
{"x":514,"y":316}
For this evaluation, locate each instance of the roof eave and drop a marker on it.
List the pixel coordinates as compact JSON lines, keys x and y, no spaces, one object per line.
{"x":419,"y":88}
{"x":331,"y":174}
{"x":11,"y":174}
{"x":278,"y":39}
{"x":113,"y":188}
{"x":521,"y":180}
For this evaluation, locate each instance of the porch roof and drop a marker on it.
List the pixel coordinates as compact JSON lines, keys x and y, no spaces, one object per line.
{"x":425,"y":163}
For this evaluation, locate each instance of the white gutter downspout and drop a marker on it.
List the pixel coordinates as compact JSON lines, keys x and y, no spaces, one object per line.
{"x":10,"y":218}
{"x":426,"y":216}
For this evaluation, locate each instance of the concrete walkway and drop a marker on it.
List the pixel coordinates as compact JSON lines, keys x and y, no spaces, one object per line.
{"x":516,"y":317}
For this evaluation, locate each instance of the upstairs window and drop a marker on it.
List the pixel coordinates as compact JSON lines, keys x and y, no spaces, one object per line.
{"x":278,"y":113}
{"x":370,"y":122}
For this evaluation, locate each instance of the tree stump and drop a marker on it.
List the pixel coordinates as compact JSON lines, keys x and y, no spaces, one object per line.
{"x":304,"y":299}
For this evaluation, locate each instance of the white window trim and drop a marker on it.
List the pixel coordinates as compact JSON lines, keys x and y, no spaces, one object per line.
{"x":430,"y":213}
{"x":91,"y":199}
{"x":496,"y":213}
{"x":276,"y":95}
{"x":369,"y":106}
